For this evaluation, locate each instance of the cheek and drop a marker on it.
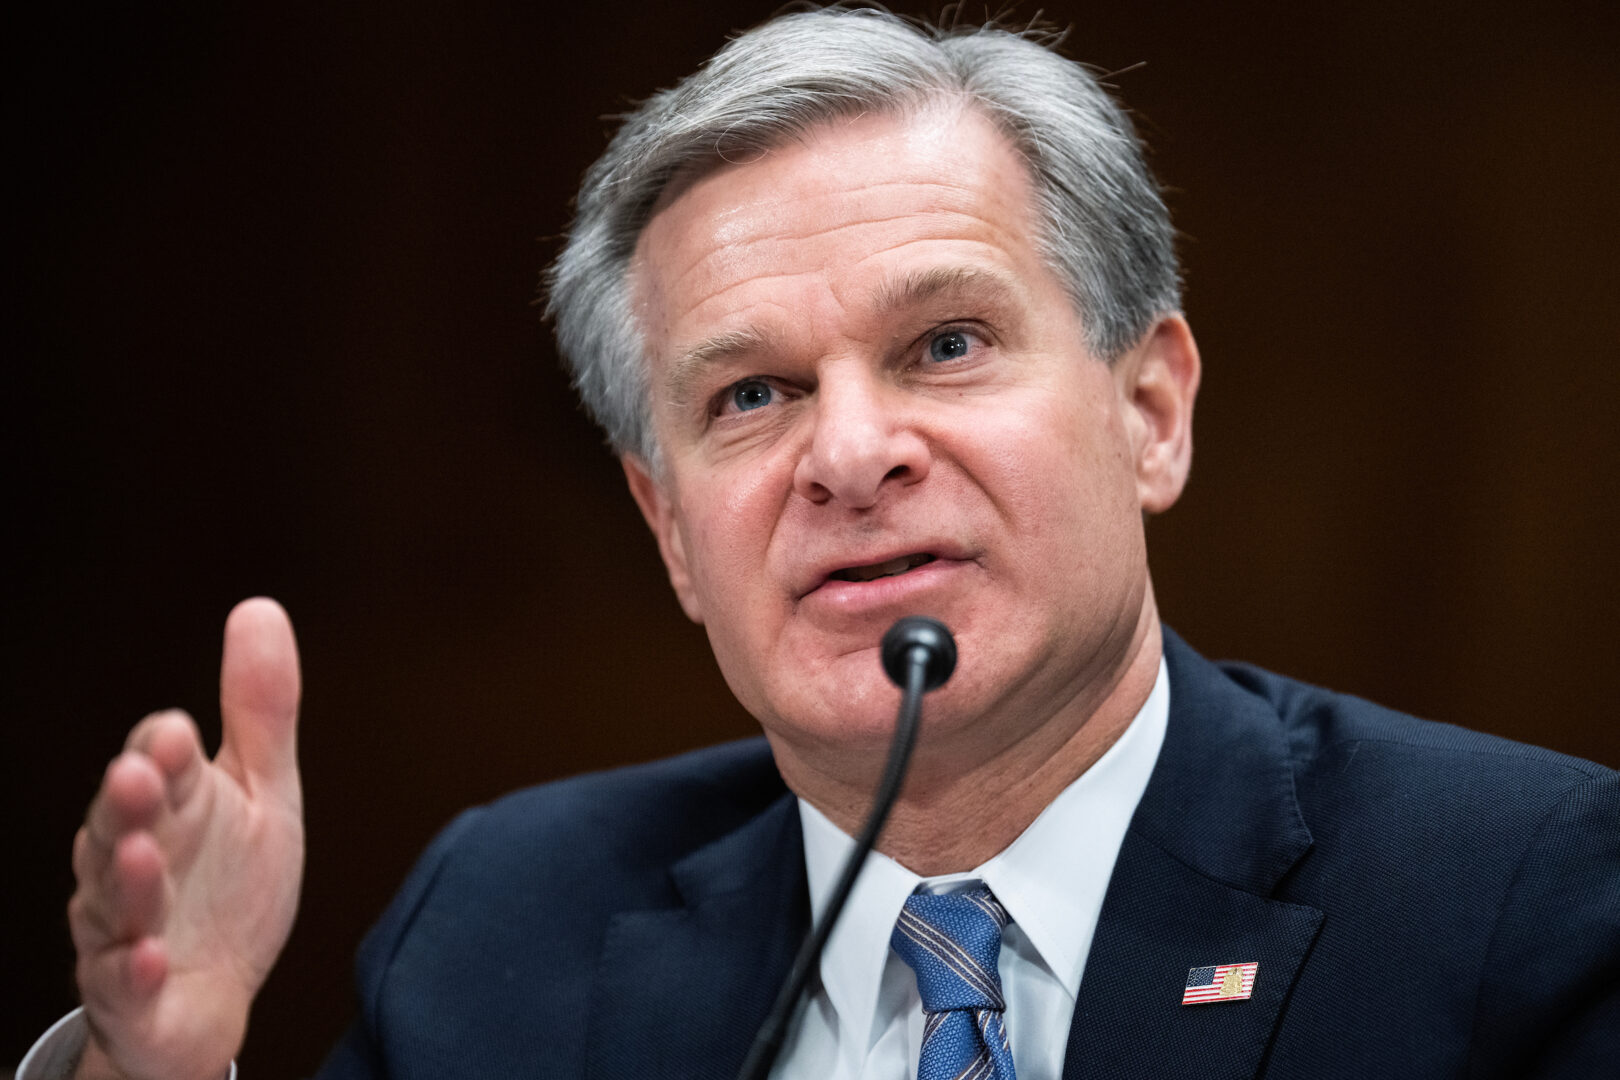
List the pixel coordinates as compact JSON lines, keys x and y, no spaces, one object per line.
{"x":728,"y":523}
{"x":1060,"y":474}
{"x":1059,"y":450}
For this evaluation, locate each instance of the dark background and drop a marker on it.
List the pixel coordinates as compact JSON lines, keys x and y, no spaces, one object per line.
{"x":271,"y":324}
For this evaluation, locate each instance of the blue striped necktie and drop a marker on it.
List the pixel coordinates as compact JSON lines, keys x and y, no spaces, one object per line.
{"x":953,"y":942}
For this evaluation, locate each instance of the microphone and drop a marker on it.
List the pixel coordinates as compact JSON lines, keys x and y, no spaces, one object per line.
{"x":919,"y":654}
{"x":917,"y":640}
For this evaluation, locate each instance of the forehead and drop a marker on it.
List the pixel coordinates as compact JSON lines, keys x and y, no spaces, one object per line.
{"x":824,"y":223}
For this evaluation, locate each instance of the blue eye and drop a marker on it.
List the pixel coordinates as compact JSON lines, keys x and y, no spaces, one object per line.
{"x":951,"y":346}
{"x":752,"y":394}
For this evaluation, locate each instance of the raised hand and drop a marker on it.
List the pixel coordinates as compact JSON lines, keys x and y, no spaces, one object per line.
{"x":188,"y":870}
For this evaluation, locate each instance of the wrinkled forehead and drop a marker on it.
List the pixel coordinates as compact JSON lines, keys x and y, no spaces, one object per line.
{"x":846,"y":192}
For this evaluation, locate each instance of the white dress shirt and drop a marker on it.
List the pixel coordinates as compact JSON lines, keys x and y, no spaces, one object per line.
{"x":864,"y":1021}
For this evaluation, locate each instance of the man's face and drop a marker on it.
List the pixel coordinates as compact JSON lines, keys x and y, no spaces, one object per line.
{"x":873,"y":399}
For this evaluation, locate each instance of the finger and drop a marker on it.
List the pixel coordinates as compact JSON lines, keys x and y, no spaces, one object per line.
{"x":135,"y":886}
{"x":130,"y":797}
{"x":125,"y":900}
{"x":86,"y":858}
{"x":258,"y":697}
{"x":87,"y":923}
{"x":174,"y":744}
{"x":121,"y":979}
{"x":140,"y":736}
{"x":89,"y":918}
{"x":146,"y":965}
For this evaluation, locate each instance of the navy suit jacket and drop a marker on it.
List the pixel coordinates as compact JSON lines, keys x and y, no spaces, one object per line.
{"x":1422,"y":901}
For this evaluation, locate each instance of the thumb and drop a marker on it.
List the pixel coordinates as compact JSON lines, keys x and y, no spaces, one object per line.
{"x":258,"y":699}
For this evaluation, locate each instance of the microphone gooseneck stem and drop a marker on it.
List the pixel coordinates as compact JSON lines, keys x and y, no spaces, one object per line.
{"x":768,"y":1043}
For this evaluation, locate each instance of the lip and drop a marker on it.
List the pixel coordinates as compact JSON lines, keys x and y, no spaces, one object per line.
{"x":900,"y":590}
{"x":822,"y":590}
{"x":819,"y":573}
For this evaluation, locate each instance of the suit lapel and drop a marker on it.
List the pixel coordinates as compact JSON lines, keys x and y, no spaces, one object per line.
{"x":1217,"y":828}
{"x":680,"y":991}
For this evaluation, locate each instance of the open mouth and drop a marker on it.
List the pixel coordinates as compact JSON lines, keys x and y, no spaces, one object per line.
{"x":881,"y":570}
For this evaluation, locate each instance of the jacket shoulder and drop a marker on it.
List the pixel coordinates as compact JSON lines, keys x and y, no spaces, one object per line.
{"x":1320,"y":723}
{"x":504,"y":915}
{"x":622,"y":825}
{"x":1470,"y":885}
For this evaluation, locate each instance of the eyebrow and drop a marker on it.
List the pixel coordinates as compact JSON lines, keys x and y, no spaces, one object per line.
{"x":921,"y":286}
{"x":686,"y":372}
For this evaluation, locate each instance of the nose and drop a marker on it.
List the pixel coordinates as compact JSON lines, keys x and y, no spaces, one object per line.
{"x":862,"y":443}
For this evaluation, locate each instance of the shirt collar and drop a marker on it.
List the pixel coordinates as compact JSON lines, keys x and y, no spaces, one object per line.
{"x":1051,"y":879}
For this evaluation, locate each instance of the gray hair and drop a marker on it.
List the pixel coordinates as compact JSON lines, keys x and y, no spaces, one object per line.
{"x":1105,"y":229}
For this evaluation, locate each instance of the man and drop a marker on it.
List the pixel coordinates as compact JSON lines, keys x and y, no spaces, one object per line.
{"x":884,"y":322}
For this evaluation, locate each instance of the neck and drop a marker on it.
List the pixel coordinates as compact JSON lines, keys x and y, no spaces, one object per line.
{"x":957,"y":811}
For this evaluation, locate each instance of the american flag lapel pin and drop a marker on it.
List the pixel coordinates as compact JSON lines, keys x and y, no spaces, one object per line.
{"x":1220,"y":982}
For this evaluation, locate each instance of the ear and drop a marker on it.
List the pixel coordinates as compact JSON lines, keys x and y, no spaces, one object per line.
{"x":1158,"y":381}
{"x":659,"y":511}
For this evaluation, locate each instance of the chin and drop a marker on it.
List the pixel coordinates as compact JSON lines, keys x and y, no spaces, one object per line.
{"x":857,"y":715}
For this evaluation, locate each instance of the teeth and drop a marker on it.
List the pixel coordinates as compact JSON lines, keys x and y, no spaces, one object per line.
{"x":883,"y":569}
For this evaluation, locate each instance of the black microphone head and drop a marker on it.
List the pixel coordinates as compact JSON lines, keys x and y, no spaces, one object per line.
{"x":916,"y":632}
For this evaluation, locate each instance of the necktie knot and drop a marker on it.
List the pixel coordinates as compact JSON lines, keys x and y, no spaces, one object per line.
{"x":953,"y":943}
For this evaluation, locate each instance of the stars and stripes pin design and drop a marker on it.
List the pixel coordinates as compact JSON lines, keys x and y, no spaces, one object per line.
{"x":1220,"y":982}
